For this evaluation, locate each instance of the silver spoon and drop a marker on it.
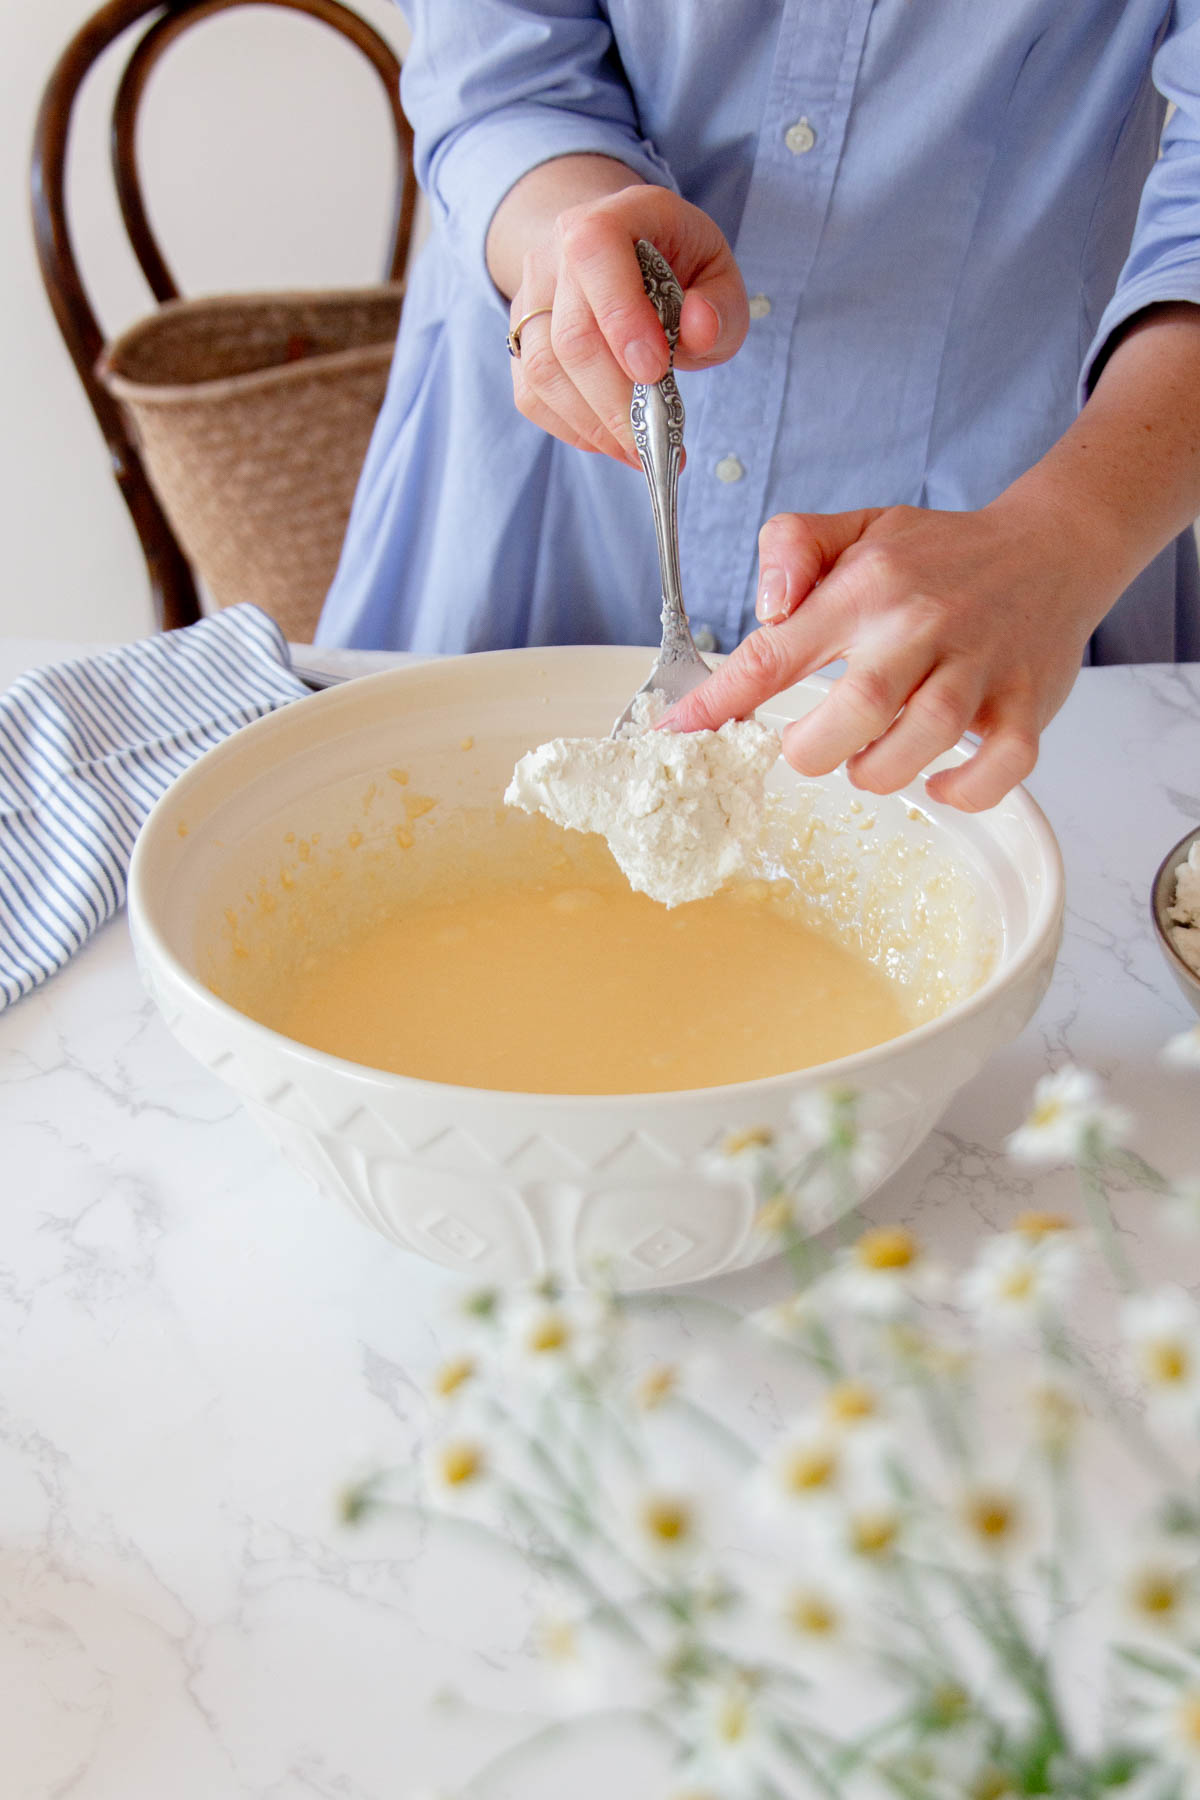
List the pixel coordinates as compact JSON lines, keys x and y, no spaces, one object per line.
{"x":656,"y":415}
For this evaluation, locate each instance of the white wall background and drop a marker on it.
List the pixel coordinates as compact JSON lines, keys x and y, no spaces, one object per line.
{"x":268,"y":162}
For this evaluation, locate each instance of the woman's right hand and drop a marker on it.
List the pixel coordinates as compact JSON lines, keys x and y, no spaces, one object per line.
{"x":556,"y":242}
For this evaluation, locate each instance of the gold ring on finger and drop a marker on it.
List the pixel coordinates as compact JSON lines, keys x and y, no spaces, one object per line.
{"x":513,"y":339}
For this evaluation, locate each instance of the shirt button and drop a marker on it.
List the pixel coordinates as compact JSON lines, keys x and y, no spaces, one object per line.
{"x":729,"y":469}
{"x":704,"y":638}
{"x":760,"y":306}
{"x":800,"y":137}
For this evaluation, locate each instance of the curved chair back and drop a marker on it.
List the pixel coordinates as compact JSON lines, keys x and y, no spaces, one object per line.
{"x":172,"y":583}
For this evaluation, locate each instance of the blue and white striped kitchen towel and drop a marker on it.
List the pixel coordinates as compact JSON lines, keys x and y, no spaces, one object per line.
{"x":87,"y":747}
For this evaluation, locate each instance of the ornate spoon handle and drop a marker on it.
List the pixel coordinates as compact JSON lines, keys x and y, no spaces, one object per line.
{"x":656,"y":415}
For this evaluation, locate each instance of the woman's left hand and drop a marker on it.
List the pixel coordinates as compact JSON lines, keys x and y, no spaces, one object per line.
{"x":949,"y":622}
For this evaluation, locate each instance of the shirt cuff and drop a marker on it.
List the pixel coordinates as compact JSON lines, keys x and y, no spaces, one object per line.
{"x":473,"y":172}
{"x":1160,"y":288}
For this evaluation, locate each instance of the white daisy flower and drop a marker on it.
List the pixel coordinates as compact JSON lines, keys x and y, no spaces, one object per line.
{"x":730,"y":1738}
{"x":854,"y":1405}
{"x":453,"y":1378}
{"x":819,"y":1614}
{"x":951,"y":1764}
{"x":1055,"y":1413}
{"x":1018,"y":1279}
{"x":1162,"y":1332}
{"x":792,"y":1319}
{"x":457,"y":1471}
{"x":581,"y":1664}
{"x":858,"y":1412}
{"x":884,"y":1273}
{"x":1068,"y":1120}
{"x":664,"y":1522}
{"x":1159,"y":1592}
{"x":831,"y":1119}
{"x":656,"y":1386}
{"x":551,"y":1336}
{"x":867,"y":1533}
{"x":994,"y":1519}
{"x":748,"y":1155}
{"x":804,"y":1466}
{"x":1184,"y":1049}
{"x":1174,"y":1729}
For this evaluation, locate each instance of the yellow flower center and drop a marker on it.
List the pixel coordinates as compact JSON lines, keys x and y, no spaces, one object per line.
{"x":813,"y":1615}
{"x":657,"y":1386}
{"x":451,"y":1376}
{"x":886,"y":1247}
{"x":667,"y":1521}
{"x":558,"y":1640}
{"x":1046,"y":1112}
{"x":733,"y":1716}
{"x":1017,"y":1284}
{"x":1055,"y":1414}
{"x":461,"y":1463}
{"x":992,"y":1784}
{"x":993,"y":1517}
{"x":755,"y":1137}
{"x":1038,"y":1225}
{"x":809,"y":1468}
{"x":1167,"y":1360}
{"x":873,"y":1533}
{"x":949,"y":1702}
{"x":1157,"y":1593}
{"x":774,"y":1215}
{"x":550,"y":1333}
{"x":849,"y":1402}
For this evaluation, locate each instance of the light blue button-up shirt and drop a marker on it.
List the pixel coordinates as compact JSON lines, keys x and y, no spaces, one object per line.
{"x":942,"y":210}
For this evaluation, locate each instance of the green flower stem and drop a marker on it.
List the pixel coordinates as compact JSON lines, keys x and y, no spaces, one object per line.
{"x":798,"y":1752}
{"x":901,"y":1568}
{"x":1126,"y":1419}
{"x":1099,"y":1209}
{"x":1056,"y":1580}
{"x":735,"y":1447}
{"x":581,"y":1516}
{"x":943,"y":1417}
{"x":560,"y":1557}
{"x":989,"y":1608}
{"x":1139,"y":1170}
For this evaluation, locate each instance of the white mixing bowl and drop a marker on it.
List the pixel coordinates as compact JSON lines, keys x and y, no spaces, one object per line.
{"x":506,"y":1185}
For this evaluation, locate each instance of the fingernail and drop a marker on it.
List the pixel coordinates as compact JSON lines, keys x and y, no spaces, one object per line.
{"x":712,"y":331}
{"x":772,"y":595}
{"x":643,"y":360}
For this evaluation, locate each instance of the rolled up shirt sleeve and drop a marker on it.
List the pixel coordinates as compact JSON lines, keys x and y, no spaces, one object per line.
{"x":1164,"y":257}
{"x":493,"y":88}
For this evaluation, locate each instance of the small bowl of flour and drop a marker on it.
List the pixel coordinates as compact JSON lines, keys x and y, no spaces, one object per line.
{"x":1175,"y":907}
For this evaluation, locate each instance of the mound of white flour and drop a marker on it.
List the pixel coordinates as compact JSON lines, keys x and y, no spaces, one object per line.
{"x":1185,"y":913}
{"x":680,"y":810}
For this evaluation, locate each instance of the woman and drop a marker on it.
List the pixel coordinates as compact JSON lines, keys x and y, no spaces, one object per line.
{"x":952,"y":228}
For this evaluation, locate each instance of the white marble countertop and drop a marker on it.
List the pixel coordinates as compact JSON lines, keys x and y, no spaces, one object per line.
{"x":197,"y":1350}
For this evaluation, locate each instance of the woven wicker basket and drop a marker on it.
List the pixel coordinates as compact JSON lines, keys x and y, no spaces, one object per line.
{"x":253,"y":413}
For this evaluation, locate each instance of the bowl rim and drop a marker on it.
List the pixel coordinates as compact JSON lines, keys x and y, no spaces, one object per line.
{"x":1160,"y":900}
{"x":1045,"y":924}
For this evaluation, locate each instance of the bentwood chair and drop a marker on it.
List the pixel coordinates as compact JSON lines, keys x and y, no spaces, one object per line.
{"x":172,"y":579}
